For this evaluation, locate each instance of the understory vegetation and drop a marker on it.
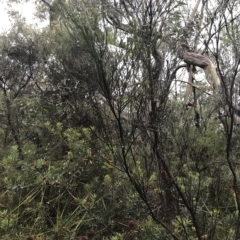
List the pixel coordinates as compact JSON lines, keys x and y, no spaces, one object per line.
{"x":120,"y":121}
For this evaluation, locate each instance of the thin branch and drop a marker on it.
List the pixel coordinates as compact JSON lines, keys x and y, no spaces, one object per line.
{"x":48,"y":4}
{"x":194,"y":85}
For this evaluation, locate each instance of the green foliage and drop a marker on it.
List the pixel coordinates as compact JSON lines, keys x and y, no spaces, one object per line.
{"x":94,"y":139}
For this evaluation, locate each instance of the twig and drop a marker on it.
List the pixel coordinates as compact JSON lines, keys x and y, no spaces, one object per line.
{"x":195,"y":86}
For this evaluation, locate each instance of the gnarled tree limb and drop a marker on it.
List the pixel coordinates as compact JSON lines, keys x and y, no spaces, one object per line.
{"x":203,"y":62}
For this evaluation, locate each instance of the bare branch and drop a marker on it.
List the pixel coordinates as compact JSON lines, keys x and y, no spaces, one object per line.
{"x":194,"y":11}
{"x":194,"y":85}
{"x":48,"y":4}
{"x":203,"y":62}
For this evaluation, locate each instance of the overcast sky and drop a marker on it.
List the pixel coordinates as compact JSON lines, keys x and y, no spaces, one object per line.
{"x":26,"y":10}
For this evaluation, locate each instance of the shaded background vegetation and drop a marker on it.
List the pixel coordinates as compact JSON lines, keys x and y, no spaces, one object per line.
{"x":96,"y":139}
